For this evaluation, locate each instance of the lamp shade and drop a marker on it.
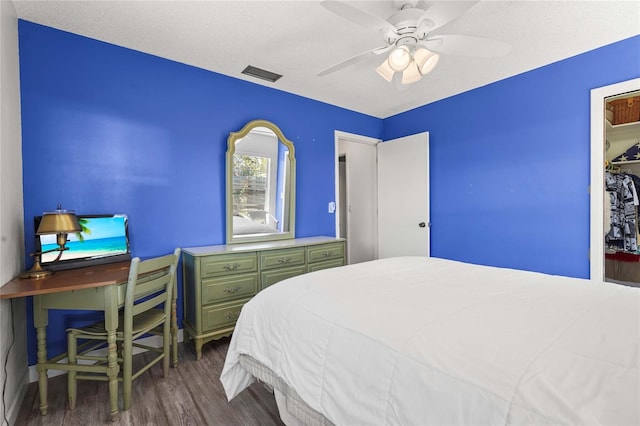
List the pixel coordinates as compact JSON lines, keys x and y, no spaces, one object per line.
{"x":58,"y":222}
{"x":426,"y":60}
{"x":385,"y":71}
{"x":399,"y":58}
{"x":411,"y":74}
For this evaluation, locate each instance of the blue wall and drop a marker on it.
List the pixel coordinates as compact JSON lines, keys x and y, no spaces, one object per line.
{"x":108,"y":129}
{"x":510,"y":165}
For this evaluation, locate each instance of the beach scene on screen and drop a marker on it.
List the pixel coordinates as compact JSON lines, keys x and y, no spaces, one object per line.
{"x":100,"y":237}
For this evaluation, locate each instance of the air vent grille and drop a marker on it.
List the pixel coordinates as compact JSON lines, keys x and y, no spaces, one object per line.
{"x":261,"y":74}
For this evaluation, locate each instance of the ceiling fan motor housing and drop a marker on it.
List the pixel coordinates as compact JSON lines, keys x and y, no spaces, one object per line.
{"x":407,"y":30}
{"x":405,"y":4}
{"x":406,"y":41}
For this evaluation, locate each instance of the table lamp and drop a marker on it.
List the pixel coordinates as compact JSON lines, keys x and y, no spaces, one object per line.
{"x":59,"y":222}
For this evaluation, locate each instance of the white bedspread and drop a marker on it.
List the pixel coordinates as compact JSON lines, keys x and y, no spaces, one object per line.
{"x":416,"y":341}
{"x":244,"y":226}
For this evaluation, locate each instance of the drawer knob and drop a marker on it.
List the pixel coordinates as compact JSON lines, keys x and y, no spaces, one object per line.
{"x":327,"y":253}
{"x":232,"y":315}
{"x":284,"y":260}
{"x":232,"y":290}
{"x":232,"y":267}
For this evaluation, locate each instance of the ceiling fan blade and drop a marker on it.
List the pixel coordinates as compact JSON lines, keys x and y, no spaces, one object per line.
{"x":462,"y":45}
{"x":444,"y":12}
{"x":354,"y":59}
{"x":358,"y":16}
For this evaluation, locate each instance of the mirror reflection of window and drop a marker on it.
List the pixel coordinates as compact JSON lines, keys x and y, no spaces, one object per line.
{"x":251,"y":186}
{"x":260,"y":184}
{"x":255,"y":180}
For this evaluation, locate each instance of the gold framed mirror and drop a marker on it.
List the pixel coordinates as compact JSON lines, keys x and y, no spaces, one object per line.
{"x":260,"y":184}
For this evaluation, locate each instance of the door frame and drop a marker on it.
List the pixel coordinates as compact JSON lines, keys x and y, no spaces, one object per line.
{"x":348,"y":137}
{"x":596,"y":239}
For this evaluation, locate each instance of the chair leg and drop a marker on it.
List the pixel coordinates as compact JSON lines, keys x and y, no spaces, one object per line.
{"x":174,"y":331}
{"x":71,"y":377}
{"x":166,"y":340}
{"x":127,"y":371}
{"x":119,"y":348}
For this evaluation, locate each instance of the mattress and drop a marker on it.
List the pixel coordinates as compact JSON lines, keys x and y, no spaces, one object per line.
{"x":244,"y":226}
{"x":417,"y":341}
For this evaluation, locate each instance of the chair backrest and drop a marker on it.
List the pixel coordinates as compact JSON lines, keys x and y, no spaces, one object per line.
{"x":150,"y":285}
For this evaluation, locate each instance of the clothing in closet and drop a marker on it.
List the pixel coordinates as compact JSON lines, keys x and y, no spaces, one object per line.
{"x":623,"y":197}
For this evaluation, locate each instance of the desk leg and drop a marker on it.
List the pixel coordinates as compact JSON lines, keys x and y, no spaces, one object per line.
{"x":112,"y":373}
{"x":42,"y":370}
{"x":40,"y":320}
{"x":111,"y":325}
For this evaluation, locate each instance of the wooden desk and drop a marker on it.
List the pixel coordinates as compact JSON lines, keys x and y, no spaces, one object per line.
{"x":100,"y":288}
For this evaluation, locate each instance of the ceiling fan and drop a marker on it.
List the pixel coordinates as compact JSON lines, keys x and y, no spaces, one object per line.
{"x":413,"y":50}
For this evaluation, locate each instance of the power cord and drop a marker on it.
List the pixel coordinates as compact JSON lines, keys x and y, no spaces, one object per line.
{"x":6,"y":363}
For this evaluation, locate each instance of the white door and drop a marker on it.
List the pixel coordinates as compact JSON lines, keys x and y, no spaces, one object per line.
{"x":403,"y":196}
{"x":360,"y":202}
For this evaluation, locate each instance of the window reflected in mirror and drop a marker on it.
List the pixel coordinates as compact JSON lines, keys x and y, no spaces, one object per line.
{"x":260,"y":184}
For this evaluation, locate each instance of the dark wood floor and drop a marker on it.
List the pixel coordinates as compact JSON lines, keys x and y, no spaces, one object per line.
{"x":191,"y":395}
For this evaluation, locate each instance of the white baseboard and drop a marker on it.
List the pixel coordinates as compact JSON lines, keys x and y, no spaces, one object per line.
{"x":14,"y":405}
{"x":153,"y":341}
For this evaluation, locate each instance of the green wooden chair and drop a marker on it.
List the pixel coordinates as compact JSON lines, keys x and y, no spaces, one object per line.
{"x":147,"y":310}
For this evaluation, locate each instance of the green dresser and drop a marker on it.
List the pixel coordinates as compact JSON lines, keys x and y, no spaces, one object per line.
{"x":219,"y":280}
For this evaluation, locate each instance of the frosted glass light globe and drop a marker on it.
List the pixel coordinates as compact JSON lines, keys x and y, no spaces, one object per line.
{"x":426,"y":60}
{"x":411,"y":74}
{"x":399,"y":58}
{"x":385,"y":71}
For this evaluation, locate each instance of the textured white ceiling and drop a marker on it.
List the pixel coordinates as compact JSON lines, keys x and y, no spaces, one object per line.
{"x":301,"y":38}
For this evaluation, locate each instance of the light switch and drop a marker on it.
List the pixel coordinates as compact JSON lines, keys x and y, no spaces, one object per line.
{"x":332,"y":207}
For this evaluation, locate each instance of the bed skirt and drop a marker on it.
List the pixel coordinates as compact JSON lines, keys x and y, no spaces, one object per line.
{"x":293,"y":410}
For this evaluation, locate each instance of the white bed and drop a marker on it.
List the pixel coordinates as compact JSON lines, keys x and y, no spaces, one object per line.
{"x":416,"y":341}
{"x":244,"y":225}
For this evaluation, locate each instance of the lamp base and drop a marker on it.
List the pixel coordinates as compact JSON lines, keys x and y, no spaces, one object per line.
{"x":35,"y":274}
{"x":36,"y":271}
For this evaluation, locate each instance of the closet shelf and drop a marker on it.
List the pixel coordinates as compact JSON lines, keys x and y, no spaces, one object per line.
{"x":619,"y":126}
{"x":627,"y":132}
{"x":622,"y":163}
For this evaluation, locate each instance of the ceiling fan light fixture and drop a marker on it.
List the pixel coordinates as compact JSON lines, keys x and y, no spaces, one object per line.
{"x":426,"y":60}
{"x":399,"y":58}
{"x":411,"y":74}
{"x":385,"y":71}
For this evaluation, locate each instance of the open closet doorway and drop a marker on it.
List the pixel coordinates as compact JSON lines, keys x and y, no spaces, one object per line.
{"x":615,"y":183}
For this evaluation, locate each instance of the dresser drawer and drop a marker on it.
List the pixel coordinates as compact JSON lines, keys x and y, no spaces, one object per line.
{"x":230,"y":287}
{"x":219,"y":280}
{"x":230,"y":263}
{"x":279,"y":258}
{"x":272,"y":277}
{"x":324,"y":265}
{"x":221,"y":315}
{"x":324,"y":252}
